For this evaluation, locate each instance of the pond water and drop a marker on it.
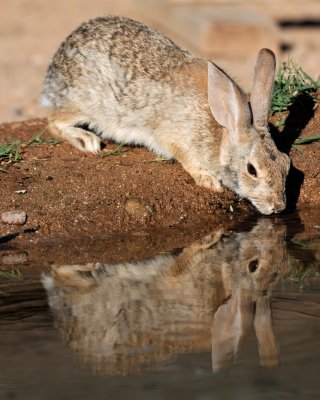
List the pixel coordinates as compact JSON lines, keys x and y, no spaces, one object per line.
{"x":232,"y":315}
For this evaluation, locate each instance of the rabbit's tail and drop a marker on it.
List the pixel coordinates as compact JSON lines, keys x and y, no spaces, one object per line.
{"x":44,"y":100}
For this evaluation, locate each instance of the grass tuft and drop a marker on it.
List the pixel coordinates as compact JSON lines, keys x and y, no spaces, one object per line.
{"x":13,"y":274}
{"x":290,"y":82}
{"x":37,"y":140}
{"x":11,"y":152}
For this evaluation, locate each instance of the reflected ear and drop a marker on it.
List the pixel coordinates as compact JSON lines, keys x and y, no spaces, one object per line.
{"x":230,"y":325}
{"x":227,"y":102}
{"x":261,"y":93}
{"x":268,"y":349}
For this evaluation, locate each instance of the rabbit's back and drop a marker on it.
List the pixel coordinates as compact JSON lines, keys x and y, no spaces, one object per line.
{"x":112,"y":53}
{"x":121,"y":78}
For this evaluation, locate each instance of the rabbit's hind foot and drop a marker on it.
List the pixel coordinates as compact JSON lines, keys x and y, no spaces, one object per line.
{"x":69,"y":128}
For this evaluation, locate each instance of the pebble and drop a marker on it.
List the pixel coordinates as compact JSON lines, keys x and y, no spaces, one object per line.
{"x":14,"y":217}
{"x":15,"y":258}
{"x":137,"y":208}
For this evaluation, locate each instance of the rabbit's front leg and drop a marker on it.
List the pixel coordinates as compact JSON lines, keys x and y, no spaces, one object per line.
{"x":204,"y":179}
{"x":201,"y":177}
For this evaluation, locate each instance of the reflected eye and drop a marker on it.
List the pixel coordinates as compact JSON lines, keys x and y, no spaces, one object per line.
{"x":251,"y":170}
{"x":253,"y":265}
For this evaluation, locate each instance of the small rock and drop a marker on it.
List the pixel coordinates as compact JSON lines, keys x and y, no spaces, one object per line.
{"x":14,"y":258}
{"x":137,"y":208}
{"x":14,"y":217}
{"x":22,"y":191}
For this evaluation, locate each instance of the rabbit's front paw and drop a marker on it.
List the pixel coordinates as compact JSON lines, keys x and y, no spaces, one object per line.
{"x":86,"y":141}
{"x":208,"y":181}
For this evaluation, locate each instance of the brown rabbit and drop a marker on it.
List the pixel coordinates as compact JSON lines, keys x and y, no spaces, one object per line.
{"x":131,"y":84}
{"x":122,"y":318}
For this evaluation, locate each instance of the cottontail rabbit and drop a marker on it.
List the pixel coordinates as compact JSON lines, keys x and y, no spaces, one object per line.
{"x":122,"y":318}
{"x":131,"y":84}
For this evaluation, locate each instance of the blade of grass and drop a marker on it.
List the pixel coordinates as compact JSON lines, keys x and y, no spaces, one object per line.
{"x":13,"y":274}
{"x":115,"y":152}
{"x":296,"y":147}
{"x":309,"y":139}
{"x":16,"y":155}
{"x":160,"y":159}
{"x":36,"y":138}
{"x":281,"y":123}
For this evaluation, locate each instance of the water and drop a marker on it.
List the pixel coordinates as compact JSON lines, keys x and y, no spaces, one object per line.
{"x":233,"y":315}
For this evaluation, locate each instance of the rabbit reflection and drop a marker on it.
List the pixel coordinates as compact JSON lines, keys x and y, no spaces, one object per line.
{"x":128,"y":317}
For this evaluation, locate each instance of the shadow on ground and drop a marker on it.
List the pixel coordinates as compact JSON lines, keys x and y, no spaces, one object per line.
{"x":301,"y":112}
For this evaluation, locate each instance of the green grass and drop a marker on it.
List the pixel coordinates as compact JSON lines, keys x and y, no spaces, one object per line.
{"x":116,"y":152}
{"x":306,"y":140}
{"x":12,"y":274}
{"x":162,"y":159}
{"x":10,"y":152}
{"x":309,"y":139}
{"x":301,"y":275}
{"x":290,"y":82}
{"x":37,"y":140}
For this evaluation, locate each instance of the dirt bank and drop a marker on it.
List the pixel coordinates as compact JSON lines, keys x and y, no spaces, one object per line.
{"x":66,"y":193}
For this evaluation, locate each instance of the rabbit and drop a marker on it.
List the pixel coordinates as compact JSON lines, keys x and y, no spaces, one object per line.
{"x":129,"y":83}
{"x":125,"y":317}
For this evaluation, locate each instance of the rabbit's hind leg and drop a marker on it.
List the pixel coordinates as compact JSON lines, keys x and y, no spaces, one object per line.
{"x":68,"y":126}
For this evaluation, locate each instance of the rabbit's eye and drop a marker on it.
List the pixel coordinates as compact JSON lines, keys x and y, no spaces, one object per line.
{"x":251,"y":169}
{"x":253,"y":265}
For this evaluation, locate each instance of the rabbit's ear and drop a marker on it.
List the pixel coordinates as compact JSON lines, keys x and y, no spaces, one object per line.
{"x":268,"y":349}
{"x":261,"y":94}
{"x":227,"y":103}
{"x":230,"y":325}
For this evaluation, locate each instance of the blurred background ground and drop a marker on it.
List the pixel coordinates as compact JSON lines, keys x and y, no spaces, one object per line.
{"x":230,"y":32}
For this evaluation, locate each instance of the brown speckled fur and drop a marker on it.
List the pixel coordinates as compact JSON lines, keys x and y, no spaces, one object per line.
{"x":131,"y":84}
{"x":112,"y":315}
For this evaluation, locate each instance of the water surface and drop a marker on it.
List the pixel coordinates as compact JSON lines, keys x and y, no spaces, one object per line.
{"x":233,"y":315}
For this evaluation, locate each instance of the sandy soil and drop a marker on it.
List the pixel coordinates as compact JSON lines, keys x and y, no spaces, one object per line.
{"x":68,"y":192}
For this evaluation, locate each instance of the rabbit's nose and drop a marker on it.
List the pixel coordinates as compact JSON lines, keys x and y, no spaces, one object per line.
{"x":279,"y":206}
